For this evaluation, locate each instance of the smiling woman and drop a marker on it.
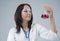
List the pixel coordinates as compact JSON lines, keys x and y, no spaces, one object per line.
{"x":25,"y":30}
{"x":23,"y":16}
{"x":26,"y":13}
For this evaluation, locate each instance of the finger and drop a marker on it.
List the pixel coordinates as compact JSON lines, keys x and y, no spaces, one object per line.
{"x":48,"y":8}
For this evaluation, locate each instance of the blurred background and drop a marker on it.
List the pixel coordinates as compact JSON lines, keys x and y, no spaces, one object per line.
{"x":7,"y":11}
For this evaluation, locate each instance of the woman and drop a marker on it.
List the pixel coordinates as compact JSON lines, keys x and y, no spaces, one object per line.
{"x":25,"y":30}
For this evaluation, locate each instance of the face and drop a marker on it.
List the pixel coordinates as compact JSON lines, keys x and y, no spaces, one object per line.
{"x":26,"y":13}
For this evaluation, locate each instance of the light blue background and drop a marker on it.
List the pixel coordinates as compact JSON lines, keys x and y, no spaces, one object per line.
{"x":7,"y":11}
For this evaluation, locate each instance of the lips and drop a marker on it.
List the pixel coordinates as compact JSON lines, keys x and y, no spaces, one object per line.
{"x":28,"y":16}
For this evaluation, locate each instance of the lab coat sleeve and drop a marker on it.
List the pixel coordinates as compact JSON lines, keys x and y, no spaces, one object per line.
{"x":11,"y":35}
{"x":46,"y":34}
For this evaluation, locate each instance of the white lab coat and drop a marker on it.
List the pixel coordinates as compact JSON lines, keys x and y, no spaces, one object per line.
{"x":35,"y":32}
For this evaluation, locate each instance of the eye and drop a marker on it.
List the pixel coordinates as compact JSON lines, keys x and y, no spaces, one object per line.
{"x":25,"y":11}
{"x":30,"y":11}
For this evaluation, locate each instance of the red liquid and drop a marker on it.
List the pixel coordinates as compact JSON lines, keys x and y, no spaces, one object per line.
{"x":44,"y":16}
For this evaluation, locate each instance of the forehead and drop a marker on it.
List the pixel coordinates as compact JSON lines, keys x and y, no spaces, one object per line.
{"x":26,"y":7}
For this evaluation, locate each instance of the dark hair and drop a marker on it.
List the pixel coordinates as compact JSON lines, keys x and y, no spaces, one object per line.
{"x":18,"y":17}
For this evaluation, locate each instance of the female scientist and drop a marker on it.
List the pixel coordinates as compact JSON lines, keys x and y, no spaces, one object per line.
{"x":25,"y":30}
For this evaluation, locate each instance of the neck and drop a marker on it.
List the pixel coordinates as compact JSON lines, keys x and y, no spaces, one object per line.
{"x":25,"y":26}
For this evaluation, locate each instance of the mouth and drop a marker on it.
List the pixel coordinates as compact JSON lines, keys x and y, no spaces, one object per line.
{"x":28,"y":16}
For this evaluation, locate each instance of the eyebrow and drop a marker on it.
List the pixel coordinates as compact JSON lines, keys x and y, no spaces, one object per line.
{"x":26,"y":10}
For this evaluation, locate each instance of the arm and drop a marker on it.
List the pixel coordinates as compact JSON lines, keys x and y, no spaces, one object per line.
{"x":52,"y":22}
{"x":44,"y":33}
{"x":53,"y":26}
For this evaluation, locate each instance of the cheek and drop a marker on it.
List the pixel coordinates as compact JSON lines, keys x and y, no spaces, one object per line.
{"x":23,"y":15}
{"x":26,"y":16}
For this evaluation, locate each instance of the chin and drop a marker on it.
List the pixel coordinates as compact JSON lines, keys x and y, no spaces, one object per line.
{"x":28,"y":19}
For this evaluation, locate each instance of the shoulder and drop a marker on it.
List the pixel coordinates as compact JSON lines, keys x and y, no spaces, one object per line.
{"x":12,"y":30}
